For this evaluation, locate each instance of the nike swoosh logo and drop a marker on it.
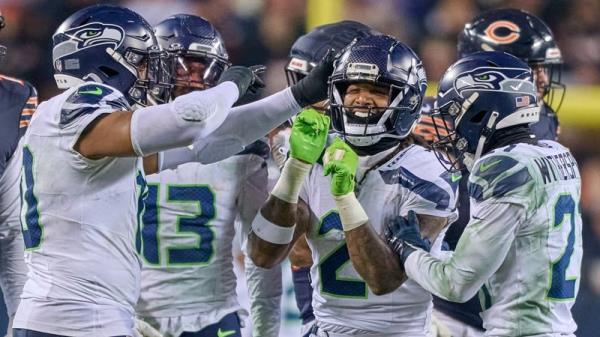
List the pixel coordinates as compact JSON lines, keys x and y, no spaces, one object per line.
{"x":225,"y":333}
{"x":455,"y":177}
{"x":486,"y":166}
{"x":517,"y":87}
{"x":96,"y":92}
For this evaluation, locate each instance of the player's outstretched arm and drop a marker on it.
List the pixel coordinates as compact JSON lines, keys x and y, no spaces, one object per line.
{"x":247,"y":123}
{"x":157,"y":128}
{"x":376,"y":263}
{"x":284,"y":218}
{"x":479,"y":253}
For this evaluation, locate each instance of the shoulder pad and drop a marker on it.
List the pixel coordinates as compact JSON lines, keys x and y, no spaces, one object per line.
{"x":426,"y":189}
{"x":499,"y":176}
{"x":89,"y":98}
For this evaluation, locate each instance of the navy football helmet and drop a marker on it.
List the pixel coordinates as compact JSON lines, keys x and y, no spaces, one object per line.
{"x":478,"y":95}
{"x":196,"y":53}
{"x":385,"y":62}
{"x":311,"y":48}
{"x":107,"y":44}
{"x":525,"y":36}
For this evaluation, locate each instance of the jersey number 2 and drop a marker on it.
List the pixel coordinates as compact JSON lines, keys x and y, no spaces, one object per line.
{"x":196,"y":224}
{"x":562,"y":288}
{"x":331,"y":282}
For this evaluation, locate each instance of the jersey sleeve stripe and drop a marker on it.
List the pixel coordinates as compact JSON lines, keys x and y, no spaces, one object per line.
{"x":512,"y":182}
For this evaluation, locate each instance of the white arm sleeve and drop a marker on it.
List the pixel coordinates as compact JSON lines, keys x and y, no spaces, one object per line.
{"x":480,"y":251}
{"x":264,"y":285}
{"x":244,"y":125}
{"x":188,"y":118}
{"x":265,"y":289}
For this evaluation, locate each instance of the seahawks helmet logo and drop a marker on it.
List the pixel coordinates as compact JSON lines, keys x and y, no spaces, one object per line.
{"x":87,"y":36}
{"x":95,"y":33}
{"x":509,"y":80}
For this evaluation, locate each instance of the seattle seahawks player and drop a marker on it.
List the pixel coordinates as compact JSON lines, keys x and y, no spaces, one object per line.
{"x":527,"y":37}
{"x":18,"y":101}
{"x":306,"y":52}
{"x":81,"y":165}
{"x":188,"y":283}
{"x":375,"y":96}
{"x":522,"y":246}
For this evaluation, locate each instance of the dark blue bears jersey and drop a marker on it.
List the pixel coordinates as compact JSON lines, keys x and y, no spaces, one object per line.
{"x":18,"y":101}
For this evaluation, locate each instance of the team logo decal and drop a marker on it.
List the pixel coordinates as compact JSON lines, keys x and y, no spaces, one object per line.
{"x":497,"y":31}
{"x":90,"y":35}
{"x":509,"y":80}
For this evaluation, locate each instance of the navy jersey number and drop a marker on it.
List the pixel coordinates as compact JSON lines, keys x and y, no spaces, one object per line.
{"x":562,"y":288}
{"x":197,"y":224}
{"x":331,"y":282}
{"x":31,"y":226}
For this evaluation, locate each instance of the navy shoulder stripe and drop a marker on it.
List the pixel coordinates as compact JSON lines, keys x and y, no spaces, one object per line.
{"x":88,"y":99}
{"x":259,"y":148}
{"x":489,"y":168}
{"x":475,"y":191}
{"x":512,"y":182}
{"x":424,"y":188}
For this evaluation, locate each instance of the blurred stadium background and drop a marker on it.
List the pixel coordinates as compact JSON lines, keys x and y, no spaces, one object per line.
{"x":261,"y":32}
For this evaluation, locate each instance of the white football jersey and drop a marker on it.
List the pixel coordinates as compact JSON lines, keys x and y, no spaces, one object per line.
{"x":413,"y":179}
{"x":523,"y":243}
{"x":79,"y":219}
{"x":535,"y":287}
{"x":188,"y":230}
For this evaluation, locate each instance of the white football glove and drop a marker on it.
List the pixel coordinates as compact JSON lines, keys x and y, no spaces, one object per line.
{"x":143,"y":329}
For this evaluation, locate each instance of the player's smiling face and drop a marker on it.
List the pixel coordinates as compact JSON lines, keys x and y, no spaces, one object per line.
{"x":363,"y":96}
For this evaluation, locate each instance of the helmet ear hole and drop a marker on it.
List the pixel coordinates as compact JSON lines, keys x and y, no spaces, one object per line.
{"x":109,"y":72}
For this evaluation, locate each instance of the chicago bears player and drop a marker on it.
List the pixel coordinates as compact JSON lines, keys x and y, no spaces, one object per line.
{"x":188,"y":283}
{"x":81,"y":166}
{"x":18,"y":101}
{"x":522,"y":246}
{"x":527,"y":37}
{"x":375,"y":97}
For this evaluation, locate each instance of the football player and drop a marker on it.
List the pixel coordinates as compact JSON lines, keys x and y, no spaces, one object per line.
{"x":306,"y":52}
{"x":18,"y":101}
{"x":188,"y":283}
{"x":522,"y":245}
{"x":527,"y":37}
{"x":81,"y":165}
{"x":375,"y":96}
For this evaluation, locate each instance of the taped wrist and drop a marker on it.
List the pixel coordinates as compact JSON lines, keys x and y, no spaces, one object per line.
{"x":351,"y":212}
{"x":179,"y":123}
{"x":290,"y":181}
{"x":271,"y":232}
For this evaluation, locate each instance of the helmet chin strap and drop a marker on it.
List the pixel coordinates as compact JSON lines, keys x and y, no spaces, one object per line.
{"x":470,"y":159}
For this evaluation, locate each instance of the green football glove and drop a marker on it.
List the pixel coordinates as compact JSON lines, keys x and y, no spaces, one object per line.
{"x":341,"y":162}
{"x":309,"y":134}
